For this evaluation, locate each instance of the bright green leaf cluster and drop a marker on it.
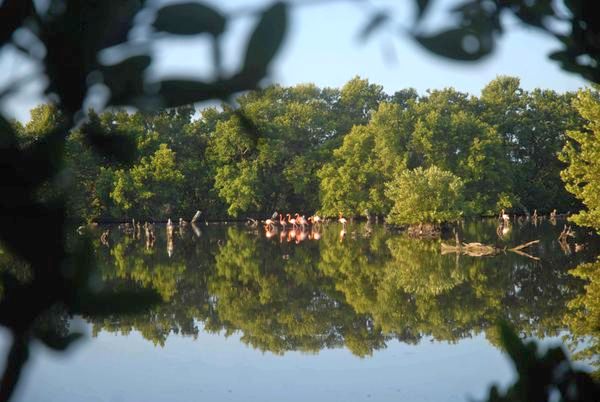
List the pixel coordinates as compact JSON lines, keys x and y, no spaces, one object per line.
{"x":582,"y":154}
{"x":425,"y":196}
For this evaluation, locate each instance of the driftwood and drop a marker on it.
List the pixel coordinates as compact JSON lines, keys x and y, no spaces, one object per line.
{"x":524,"y":245}
{"x":472,"y":249}
{"x":196,"y":216}
{"x":485,"y":250}
{"x":566,"y":233}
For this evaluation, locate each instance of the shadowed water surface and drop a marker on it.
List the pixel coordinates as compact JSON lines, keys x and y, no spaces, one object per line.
{"x":321,"y":315}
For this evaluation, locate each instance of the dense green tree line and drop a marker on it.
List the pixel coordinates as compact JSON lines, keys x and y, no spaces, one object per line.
{"x":349,"y":150}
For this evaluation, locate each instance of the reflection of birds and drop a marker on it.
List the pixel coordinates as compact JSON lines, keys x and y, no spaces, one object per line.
{"x":170,"y":247}
{"x":104,"y":237}
{"x":291,"y":235}
{"x":505,"y":217}
{"x":150,"y":237}
{"x":300,"y":236}
{"x":270,"y":233}
{"x":503,"y":229}
{"x":170,"y":228}
{"x":342,"y":234}
{"x":579,"y":247}
{"x":282,"y":222}
{"x":343,"y":221}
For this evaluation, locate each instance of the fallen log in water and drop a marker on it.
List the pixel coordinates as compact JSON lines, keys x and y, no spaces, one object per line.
{"x":474,"y":249}
{"x":524,"y":245}
{"x":485,"y":250}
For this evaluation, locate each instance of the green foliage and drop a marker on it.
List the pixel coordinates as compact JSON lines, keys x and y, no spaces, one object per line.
{"x":542,"y":377}
{"x":582,"y":154}
{"x":149,"y":188}
{"x":449,"y":134}
{"x":425,"y":196}
{"x":298,"y":128}
{"x":583,"y":316}
{"x":532,"y":127}
{"x":44,"y":119}
{"x":354,"y":179}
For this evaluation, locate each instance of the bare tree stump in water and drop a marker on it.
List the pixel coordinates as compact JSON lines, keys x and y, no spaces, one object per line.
{"x":566,"y":233}
{"x":425,"y":231}
{"x":196,"y":216}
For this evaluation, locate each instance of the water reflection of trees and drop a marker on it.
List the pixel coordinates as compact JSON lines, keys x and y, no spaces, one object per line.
{"x":583,"y":316}
{"x":359,"y":293}
{"x":284,"y":304}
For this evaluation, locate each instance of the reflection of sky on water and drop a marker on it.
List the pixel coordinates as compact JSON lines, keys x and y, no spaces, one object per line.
{"x":215,"y":368}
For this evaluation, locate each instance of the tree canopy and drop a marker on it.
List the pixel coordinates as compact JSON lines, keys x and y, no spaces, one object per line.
{"x":502,"y":145}
{"x":582,"y":154}
{"x":428,"y":195}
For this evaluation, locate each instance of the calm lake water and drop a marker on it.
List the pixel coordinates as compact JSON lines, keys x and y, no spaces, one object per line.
{"x":373,"y":316}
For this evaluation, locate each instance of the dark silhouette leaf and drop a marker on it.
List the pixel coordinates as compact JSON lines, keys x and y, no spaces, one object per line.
{"x":12,"y":15}
{"x":7,"y":135}
{"x":126,"y":79}
{"x":375,"y":22}
{"x":458,"y":43}
{"x":57,"y":341}
{"x":182,"y":92}
{"x":266,"y":40}
{"x":561,"y":56}
{"x":119,"y":148}
{"x":189,"y":19}
{"x":421,"y":7}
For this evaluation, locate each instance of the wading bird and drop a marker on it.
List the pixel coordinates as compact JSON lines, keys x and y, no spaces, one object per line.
{"x":300,"y":220}
{"x":269,"y":224}
{"x":316,"y":220}
{"x":504,"y":216}
{"x":342,"y":220}
{"x":291,"y":220}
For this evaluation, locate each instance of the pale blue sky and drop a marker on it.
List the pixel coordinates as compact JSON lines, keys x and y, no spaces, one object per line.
{"x":322,"y":47}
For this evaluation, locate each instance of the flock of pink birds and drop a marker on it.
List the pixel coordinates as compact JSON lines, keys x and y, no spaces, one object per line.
{"x":298,"y":228}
